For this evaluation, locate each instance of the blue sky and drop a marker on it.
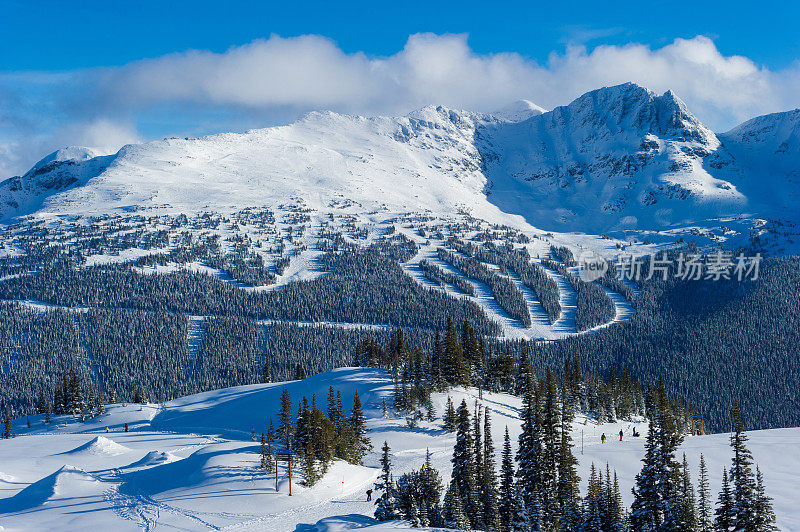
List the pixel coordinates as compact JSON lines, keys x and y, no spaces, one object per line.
{"x":57,"y":35}
{"x":107,"y":73}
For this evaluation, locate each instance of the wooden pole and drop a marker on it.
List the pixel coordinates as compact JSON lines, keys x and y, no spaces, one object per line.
{"x":290,"y":476}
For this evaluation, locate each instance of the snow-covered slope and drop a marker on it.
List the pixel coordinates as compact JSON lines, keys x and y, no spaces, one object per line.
{"x":423,"y":161}
{"x":617,"y":157}
{"x":766,"y":151}
{"x":189,"y":464}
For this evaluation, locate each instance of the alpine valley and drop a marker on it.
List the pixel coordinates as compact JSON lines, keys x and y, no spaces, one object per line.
{"x":178,"y":288}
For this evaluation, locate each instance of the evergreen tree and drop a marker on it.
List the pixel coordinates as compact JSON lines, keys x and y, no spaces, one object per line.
{"x":551,"y":440}
{"x":332,"y":409}
{"x":449,"y":419}
{"x":618,"y":521}
{"x":765,"y":516}
{"x":741,"y":476}
{"x":524,"y":370}
{"x":66,"y":395}
{"x":431,"y":491}
{"x":358,"y":422}
{"x":463,"y":476}
{"x":47,"y":410}
{"x":725,"y":512}
{"x":456,"y":372}
{"x":386,"y":504}
{"x":658,"y":502}
{"x":310,"y":472}
{"x":286,"y":420}
{"x":101,"y":403}
{"x":477,"y":519}
{"x":704,"y":499}
{"x":453,"y":513}
{"x":320,"y":433}
{"x":302,"y":431}
{"x":522,"y":519}
{"x":418,"y":494}
{"x":437,"y":377}
{"x":345,"y":444}
{"x":8,"y":431}
{"x":529,"y":485}
{"x":646,"y":507}
{"x":265,"y":459}
{"x":299,"y":372}
{"x":507,"y":492}
{"x":592,"y":519}
{"x":270,"y":447}
{"x":489,"y":492}
{"x":568,"y":488}
{"x":688,"y":514}
{"x":40,"y":402}
{"x":266,"y":370}
{"x":139,"y":396}
{"x":76,"y":405}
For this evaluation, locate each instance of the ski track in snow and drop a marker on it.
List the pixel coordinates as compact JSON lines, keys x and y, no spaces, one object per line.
{"x":305,"y":266}
{"x":541,"y":328}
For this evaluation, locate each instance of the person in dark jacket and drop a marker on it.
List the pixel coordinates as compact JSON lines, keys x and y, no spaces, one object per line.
{"x":620,"y":434}
{"x":369,"y":495}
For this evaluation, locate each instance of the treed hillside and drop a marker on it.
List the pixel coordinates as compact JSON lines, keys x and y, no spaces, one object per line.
{"x":184,"y":331}
{"x":713,"y":342}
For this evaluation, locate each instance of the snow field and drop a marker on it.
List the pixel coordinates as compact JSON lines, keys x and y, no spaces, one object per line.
{"x":189,"y":463}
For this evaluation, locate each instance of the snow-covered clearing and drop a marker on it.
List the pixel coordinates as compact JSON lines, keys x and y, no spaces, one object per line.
{"x":189,"y":463}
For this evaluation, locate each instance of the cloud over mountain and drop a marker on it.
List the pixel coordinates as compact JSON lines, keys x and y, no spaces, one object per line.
{"x":273,"y":80}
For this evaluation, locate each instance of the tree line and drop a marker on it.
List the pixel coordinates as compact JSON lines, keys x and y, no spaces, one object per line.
{"x":538,"y":488}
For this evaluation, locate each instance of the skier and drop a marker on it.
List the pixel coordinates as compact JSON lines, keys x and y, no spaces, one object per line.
{"x":603,"y":438}
{"x":126,"y":427}
{"x":369,"y":495}
{"x":106,"y":430}
{"x":620,"y":434}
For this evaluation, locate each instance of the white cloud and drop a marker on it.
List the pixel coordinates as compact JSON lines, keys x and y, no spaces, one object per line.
{"x":283,"y":77}
{"x":104,"y":135}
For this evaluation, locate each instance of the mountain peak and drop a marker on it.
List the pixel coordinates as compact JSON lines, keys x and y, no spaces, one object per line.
{"x":519,"y":110}
{"x":631,"y":107}
{"x":68,"y":153}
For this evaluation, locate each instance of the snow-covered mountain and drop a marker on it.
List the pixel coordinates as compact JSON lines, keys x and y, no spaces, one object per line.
{"x":618,"y":156}
{"x":615,"y":158}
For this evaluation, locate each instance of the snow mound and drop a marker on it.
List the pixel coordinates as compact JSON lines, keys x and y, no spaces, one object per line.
{"x":519,"y":111}
{"x":100,"y":446}
{"x":153,"y":458}
{"x":68,"y":480}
